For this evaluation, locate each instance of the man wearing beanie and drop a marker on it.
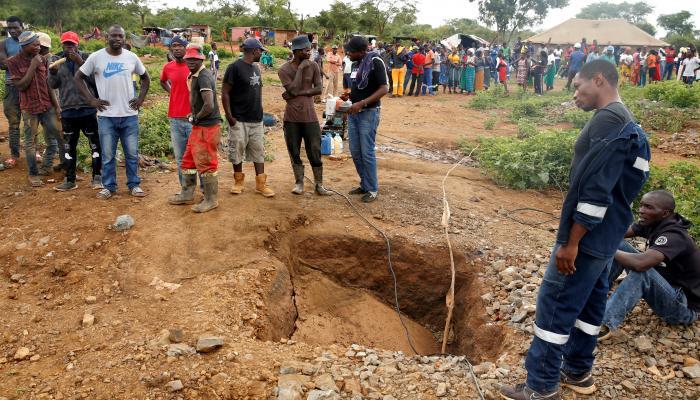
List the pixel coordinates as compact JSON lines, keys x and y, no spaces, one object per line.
{"x":76,"y":114}
{"x":241,"y":96}
{"x":301,"y":79}
{"x":173,"y":79}
{"x":368,"y":84}
{"x":29,"y":73}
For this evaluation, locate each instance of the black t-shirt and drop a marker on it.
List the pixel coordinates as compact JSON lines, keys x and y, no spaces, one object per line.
{"x":377,"y":77}
{"x":203,"y":81}
{"x":610,"y":118}
{"x":681,"y":266}
{"x":246,"y":95}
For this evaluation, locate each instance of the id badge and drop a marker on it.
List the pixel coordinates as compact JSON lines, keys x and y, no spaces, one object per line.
{"x":353,"y":74}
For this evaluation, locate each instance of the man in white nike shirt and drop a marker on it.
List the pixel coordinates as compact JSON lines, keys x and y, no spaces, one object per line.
{"x":118,"y":108}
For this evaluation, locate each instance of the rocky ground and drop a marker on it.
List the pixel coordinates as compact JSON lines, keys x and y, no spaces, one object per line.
{"x":215,"y":306}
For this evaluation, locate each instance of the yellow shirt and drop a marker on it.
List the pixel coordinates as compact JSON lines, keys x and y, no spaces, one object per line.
{"x":454,"y":58}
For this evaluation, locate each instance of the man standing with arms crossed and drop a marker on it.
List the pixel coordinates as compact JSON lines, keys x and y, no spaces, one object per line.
{"x":118,"y":108}
{"x":241,"y":96}
{"x":609,"y":168}
{"x":334,"y":65}
{"x":368,"y":84}
{"x":29,"y":72}
{"x":9,"y":48}
{"x":173,"y":79}
{"x":76,"y":114}
{"x":301,"y":79}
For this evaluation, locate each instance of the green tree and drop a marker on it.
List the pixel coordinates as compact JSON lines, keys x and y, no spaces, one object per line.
{"x":374,"y":16}
{"x":647,"y":27}
{"x":338,"y":20}
{"x":632,"y":12}
{"x":138,"y":8}
{"x":679,"y":23}
{"x":509,"y":16}
{"x":275,"y":14}
{"x":225,"y":8}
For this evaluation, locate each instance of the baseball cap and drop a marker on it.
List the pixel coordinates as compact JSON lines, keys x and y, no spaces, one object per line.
{"x":300,"y":42}
{"x":577,"y":46}
{"x":44,"y":39}
{"x":194,"y":51}
{"x":178,"y":39}
{"x":27,"y":37}
{"x":609,"y":48}
{"x":70,"y":37}
{"x":252,"y":43}
{"x":356,"y":43}
{"x":335,"y":46}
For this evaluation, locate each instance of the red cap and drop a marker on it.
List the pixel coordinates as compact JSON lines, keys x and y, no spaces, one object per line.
{"x":70,"y":37}
{"x":194,"y":52}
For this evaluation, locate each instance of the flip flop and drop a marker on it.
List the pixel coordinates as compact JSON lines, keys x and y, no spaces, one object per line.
{"x":35,"y":181}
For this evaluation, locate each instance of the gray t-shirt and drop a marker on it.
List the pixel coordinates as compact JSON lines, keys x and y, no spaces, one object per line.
{"x":113,"y":80}
{"x":612,"y":117}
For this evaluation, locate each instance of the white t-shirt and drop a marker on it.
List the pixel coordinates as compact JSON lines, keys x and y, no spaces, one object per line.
{"x":689,"y":65}
{"x":551,"y":59}
{"x":213,"y":56}
{"x":557,"y":54}
{"x":348,"y":65}
{"x":113,"y":80}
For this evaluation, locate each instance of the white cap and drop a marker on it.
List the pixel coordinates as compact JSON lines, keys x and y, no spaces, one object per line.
{"x":577,"y":45}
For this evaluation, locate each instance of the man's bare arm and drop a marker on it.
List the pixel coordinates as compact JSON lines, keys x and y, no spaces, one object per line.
{"x":208,"y":106}
{"x":3,"y":56}
{"x":640,"y":262}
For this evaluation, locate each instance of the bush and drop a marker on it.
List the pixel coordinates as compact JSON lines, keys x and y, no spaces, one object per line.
{"x":682,"y":179}
{"x":490,"y":123}
{"x":154,"y":135}
{"x":527,"y":109}
{"x":482,"y":101}
{"x":150,"y":50}
{"x":675,"y":93}
{"x":657,"y":118}
{"x":536,"y":162}
{"x":2,"y":84}
{"x":527,"y":128}
{"x":279,"y":52}
{"x":92,"y":45}
{"x":578,"y":118}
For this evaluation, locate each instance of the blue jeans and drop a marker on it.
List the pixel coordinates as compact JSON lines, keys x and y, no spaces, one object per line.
{"x":49,"y":121}
{"x":569,"y":313}
{"x":668,"y":302}
{"x":180,"y":129}
{"x":126,"y":130}
{"x":407,"y":79}
{"x":643,"y":76}
{"x":428,"y":80}
{"x":362,"y":131}
{"x":668,"y":71}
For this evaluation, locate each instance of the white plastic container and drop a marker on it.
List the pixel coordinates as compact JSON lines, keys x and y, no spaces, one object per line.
{"x":337,"y":144}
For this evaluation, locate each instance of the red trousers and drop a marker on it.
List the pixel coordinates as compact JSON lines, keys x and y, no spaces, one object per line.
{"x":201,"y":151}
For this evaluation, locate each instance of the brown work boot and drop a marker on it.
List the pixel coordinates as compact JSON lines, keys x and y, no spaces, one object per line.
{"x":211,"y":190}
{"x":261,"y":186}
{"x":237,"y":187}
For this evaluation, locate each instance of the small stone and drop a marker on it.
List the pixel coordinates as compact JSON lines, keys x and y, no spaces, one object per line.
{"x":519,"y":316}
{"x":323,"y":395}
{"x":35,"y":357}
{"x":643,"y":344}
{"x":21,"y":354}
{"x":175,"y":335}
{"x":88,"y":320}
{"x":688,"y":361}
{"x":179,"y":349}
{"x":325,"y":382}
{"x":692,"y":372}
{"x":90,"y":299}
{"x":174,"y":386}
{"x":16,"y":277}
{"x":629,"y":386}
{"x":441,"y":390}
{"x":122,"y":223}
{"x":206,"y":344}
{"x":650,"y":361}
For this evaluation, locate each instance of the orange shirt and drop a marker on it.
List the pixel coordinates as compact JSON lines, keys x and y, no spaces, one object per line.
{"x":651,"y":61}
{"x":429,"y":58}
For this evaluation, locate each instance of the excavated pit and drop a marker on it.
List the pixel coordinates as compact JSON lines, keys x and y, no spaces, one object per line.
{"x":341,"y":291}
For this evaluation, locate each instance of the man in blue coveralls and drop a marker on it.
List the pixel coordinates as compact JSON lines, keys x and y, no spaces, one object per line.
{"x":609,"y":168}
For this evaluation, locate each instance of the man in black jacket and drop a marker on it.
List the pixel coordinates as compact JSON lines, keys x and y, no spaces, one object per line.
{"x":76,"y":114}
{"x":666,"y":275}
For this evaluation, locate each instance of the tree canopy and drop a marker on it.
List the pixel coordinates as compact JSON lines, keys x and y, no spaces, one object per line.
{"x":509,"y":16}
{"x":632,"y":12}
{"x":679,"y":23}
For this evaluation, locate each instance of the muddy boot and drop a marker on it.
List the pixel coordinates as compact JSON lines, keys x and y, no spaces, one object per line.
{"x":237,"y":187}
{"x":318,"y":178}
{"x":211,"y":190}
{"x":261,"y":186}
{"x":186,"y":195}
{"x":298,"y":179}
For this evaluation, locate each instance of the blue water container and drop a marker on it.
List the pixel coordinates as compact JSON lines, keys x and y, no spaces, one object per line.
{"x":326,"y":141}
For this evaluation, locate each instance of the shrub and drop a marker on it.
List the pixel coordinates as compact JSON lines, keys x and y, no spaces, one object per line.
{"x":482,"y":101}
{"x":490,"y":123}
{"x":682,"y":179}
{"x":657,"y":118}
{"x":527,"y":128}
{"x":279,"y":52}
{"x":675,"y":93}
{"x":92,"y":45}
{"x":154,"y":135}
{"x":527,"y":109}
{"x":578,"y":118}
{"x":537,"y":162}
{"x":150,"y":50}
{"x":2,"y":84}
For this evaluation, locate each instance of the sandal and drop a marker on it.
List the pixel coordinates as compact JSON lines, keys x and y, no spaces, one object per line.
{"x":104,"y":194}
{"x":136,"y":191}
{"x":10,"y":162}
